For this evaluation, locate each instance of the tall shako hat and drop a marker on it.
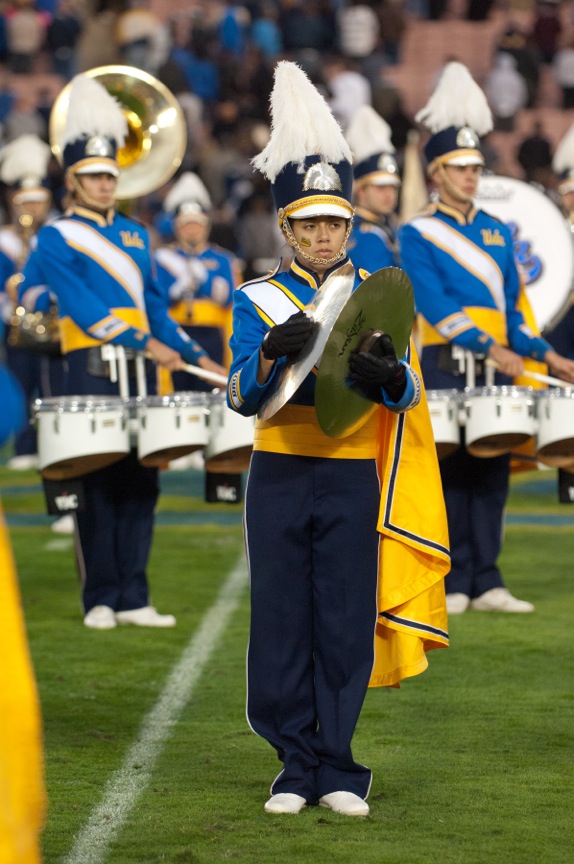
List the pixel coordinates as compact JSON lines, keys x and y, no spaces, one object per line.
{"x":369,"y":137}
{"x":563,"y":162}
{"x":457,"y":115}
{"x":94,"y":130}
{"x":188,"y":199}
{"x":24,"y":167}
{"x":306,"y":159}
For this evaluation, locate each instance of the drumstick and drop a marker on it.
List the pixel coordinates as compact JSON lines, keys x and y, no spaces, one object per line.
{"x":215,"y":377}
{"x":538,"y":376}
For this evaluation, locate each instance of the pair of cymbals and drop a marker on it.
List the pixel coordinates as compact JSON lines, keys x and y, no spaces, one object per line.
{"x":383,"y":302}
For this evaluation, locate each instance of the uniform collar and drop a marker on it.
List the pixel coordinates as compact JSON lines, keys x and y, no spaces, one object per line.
{"x":304,"y":274}
{"x":455,"y":214}
{"x":92,"y":216}
{"x":367,"y":215}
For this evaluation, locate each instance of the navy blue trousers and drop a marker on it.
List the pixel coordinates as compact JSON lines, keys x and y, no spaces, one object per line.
{"x":475,"y":493}
{"x":313,"y":557}
{"x":116,"y":527}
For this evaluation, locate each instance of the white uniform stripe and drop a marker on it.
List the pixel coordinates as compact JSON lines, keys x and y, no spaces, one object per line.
{"x":272,"y":301}
{"x":120,"y":266}
{"x":126,"y":785}
{"x":466,"y":253}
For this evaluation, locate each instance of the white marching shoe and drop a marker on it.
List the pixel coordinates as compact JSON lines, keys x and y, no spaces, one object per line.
{"x":346,"y":803}
{"x":100,"y":618}
{"x":457,"y":603}
{"x":500,"y":600}
{"x":64,"y":525}
{"x":285,"y":802}
{"x":146,"y":616}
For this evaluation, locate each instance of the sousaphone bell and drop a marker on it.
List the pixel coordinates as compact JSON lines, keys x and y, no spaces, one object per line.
{"x":156,"y":141}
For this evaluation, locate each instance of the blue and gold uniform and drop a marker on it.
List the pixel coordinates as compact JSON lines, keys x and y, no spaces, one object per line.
{"x":468,"y":295}
{"x":466,"y":282}
{"x":326,"y":492}
{"x":371,"y":244}
{"x":203,"y":311}
{"x":101,"y":270}
{"x":322,"y":514}
{"x":98,"y":264}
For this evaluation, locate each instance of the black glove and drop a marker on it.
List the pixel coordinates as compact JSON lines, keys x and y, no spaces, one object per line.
{"x":379,"y":367}
{"x":287,"y":338}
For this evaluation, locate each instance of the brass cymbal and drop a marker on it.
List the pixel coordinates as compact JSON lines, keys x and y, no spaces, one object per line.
{"x":324,"y":308}
{"x":385,"y":302}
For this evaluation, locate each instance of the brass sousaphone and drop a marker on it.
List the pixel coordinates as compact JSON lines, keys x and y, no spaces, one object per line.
{"x":157,"y":136}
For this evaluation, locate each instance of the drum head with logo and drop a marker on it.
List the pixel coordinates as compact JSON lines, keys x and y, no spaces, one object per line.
{"x":543,"y":243}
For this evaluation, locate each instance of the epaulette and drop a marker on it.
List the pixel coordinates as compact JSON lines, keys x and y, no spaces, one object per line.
{"x":263,"y":278}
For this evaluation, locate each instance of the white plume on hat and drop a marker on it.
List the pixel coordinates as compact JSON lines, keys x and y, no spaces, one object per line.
{"x":301,"y":124}
{"x":92,"y":111}
{"x":457,"y":101}
{"x":564,"y":154}
{"x":24,"y":161}
{"x":188,"y":189}
{"x":368,"y":134}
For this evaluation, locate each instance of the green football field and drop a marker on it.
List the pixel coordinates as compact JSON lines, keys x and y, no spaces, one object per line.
{"x":149,"y":757}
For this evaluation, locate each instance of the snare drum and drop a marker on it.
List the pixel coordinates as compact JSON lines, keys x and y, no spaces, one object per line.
{"x":498,"y":419}
{"x":168,"y":427}
{"x":555,"y":412}
{"x":443,"y":410}
{"x":79,"y":434}
{"x":230,"y":438}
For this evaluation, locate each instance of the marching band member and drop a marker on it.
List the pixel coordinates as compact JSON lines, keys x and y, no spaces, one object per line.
{"x":23,"y":168}
{"x":373,"y":240}
{"x":313,"y":523}
{"x":98,"y":263}
{"x":197,"y":276}
{"x":562,"y":335}
{"x":461,"y":263}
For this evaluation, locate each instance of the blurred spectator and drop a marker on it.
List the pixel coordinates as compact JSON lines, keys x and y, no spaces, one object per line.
{"x":7,"y":95}
{"x":547,"y":29}
{"x":506,"y":92}
{"x":534,"y":155}
{"x":348,"y":89}
{"x":25,"y":118}
{"x":564,"y":72}
{"x":516,"y":43}
{"x":358,"y":27}
{"x":437,"y":9}
{"x":142,"y":37}
{"x":479,"y":10}
{"x":97,"y":44}
{"x":265,"y":33}
{"x":392,"y":26}
{"x":307,"y":24}
{"x":25,"y":33}
{"x":193,"y":49}
{"x":233,"y":27}
{"x":260,"y":240}
{"x":61,"y":38}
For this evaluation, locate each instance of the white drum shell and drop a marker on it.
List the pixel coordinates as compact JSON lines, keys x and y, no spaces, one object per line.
{"x":230,"y":438}
{"x":79,"y":434}
{"x":555,"y":414}
{"x":443,"y":409}
{"x":168,"y":427}
{"x":498,"y":419}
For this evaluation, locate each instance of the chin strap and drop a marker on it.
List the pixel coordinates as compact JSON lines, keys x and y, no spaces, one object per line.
{"x":286,"y":226}
{"x":450,"y":187}
{"x":83,"y":199}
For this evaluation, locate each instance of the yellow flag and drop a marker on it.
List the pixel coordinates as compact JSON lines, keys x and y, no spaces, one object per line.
{"x":22,"y":797}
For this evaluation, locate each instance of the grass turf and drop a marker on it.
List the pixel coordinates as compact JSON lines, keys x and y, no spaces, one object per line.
{"x":471,"y":760}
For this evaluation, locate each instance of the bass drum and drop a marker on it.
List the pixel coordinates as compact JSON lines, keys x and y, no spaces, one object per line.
{"x":543,"y":243}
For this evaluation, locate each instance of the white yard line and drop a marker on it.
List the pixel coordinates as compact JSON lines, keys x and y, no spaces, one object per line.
{"x":124,"y":787}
